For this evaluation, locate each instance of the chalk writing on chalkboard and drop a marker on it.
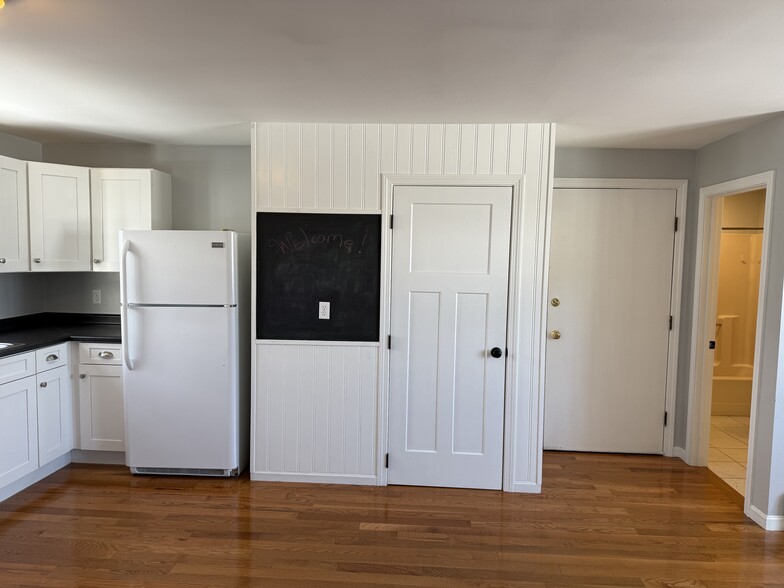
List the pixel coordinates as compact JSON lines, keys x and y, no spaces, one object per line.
{"x":306,"y":259}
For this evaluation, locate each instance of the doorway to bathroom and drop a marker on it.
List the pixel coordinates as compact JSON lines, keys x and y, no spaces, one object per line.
{"x":733,"y":242}
{"x":737,"y":295}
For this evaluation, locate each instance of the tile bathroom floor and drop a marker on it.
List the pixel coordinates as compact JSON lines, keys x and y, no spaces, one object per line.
{"x":729,"y":446}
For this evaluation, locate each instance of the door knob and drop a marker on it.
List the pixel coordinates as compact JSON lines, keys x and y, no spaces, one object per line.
{"x":496,"y":352}
{"x":555,"y":302}
{"x":43,"y":384}
{"x":555,"y":334}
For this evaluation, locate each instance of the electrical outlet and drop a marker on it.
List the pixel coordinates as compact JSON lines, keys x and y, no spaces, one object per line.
{"x":324,"y":310}
{"x":96,"y":296}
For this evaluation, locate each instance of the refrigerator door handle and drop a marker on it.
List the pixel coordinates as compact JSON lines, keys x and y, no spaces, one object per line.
{"x":124,"y":306}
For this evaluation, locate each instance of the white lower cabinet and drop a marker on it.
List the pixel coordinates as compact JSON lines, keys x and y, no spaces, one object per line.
{"x":55,"y":414}
{"x":101,"y":403}
{"x":18,"y":429}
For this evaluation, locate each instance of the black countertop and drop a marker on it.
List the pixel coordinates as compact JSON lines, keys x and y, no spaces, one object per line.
{"x":41,"y":330}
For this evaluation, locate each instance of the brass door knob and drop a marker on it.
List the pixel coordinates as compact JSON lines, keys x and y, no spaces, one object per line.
{"x":555,"y":334}
{"x":555,"y":302}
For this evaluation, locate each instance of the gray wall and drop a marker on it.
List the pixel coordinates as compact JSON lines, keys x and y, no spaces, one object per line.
{"x":651,"y":164}
{"x":755,"y":150}
{"x":211,"y":189}
{"x":20,"y":293}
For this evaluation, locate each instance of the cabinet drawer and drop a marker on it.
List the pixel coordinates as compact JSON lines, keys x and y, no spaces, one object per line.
{"x":100,"y":354}
{"x":51,"y":357}
{"x":16,"y":367}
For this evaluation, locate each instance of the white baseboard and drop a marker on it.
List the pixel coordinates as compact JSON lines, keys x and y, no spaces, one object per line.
{"x":526,"y":488}
{"x":679,"y":452}
{"x":99,"y":457}
{"x":769,"y":523}
{"x":36,"y":476}
{"x":355,"y":479}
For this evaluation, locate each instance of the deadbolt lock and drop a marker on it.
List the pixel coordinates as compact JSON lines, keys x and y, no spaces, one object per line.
{"x":555,"y":302}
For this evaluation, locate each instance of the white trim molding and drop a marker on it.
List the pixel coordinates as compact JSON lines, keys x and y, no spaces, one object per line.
{"x":769,"y":523}
{"x":681,"y":191}
{"x":706,"y":280}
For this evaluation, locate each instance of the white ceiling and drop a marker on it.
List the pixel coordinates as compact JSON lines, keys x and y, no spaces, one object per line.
{"x":611,"y":73}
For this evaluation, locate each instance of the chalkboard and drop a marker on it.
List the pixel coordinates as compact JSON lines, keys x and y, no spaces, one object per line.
{"x":305,"y":259}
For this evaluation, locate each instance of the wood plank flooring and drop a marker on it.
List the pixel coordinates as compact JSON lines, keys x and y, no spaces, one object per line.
{"x":602,"y":520}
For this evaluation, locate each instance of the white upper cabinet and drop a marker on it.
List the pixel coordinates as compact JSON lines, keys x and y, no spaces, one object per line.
{"x":14,"y":244}
{"x":59,"y":197}
{"x":137,"y":199}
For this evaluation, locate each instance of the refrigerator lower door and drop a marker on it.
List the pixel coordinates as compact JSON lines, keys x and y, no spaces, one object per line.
{"x":181,"y":390}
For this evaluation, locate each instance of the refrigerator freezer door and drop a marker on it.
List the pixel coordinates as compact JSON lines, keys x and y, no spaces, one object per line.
{"x":179,"y":267}
{"x":181,"y":397}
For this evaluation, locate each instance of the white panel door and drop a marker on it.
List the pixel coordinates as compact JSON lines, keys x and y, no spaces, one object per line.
{"x":611,"y":263}
{"x":14,"y":244}
{"x":101,"y":412}
{"x":59,"y":217}
{"x":450,"y":268}
{"x":55,"y":415}
{"x":120,"y":199}
{"x":18,"y":430}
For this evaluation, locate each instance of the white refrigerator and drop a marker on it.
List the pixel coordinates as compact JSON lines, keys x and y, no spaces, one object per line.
{"x":184,"y":307}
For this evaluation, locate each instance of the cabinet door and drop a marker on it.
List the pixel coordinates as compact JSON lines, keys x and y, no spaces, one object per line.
{"x":59,"y":217}
{"x":14,"y":243}
{"x":55,"y":414}
{"x":101,"y":414}
{"x":121,"y":199}
{"x":18,"y":435}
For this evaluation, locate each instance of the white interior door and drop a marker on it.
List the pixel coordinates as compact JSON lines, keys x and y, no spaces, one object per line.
{"x":611,"y":263}
{"x":450,"y":268}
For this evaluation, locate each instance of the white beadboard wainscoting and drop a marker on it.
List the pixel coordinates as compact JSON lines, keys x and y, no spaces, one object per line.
{"x":319,"y":408}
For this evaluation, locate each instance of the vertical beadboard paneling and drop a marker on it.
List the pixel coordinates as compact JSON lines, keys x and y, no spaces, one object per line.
{"x":339,"y":167}
{"x":500,"y":149}
{"x":262,"y":166}
{"x":435,"y":149}
{"x":324,"y":167}
{"x":293,"y":166}
{"x":372,"y":167}
{"x":356,"y":164}
{"x":315,"y":411}
{"x":277,"y":156}
{"x":484,"y":148}
{"x":419,"y":149}
{"x":452,"y":149}
{"x":308,"y":167}
{"x":316,"y":405}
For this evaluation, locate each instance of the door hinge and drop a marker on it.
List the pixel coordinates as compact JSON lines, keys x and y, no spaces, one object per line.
{"x":665,"y":418}
{"x":676,"y":224}
{"x":386,"y":462}
{"x":391,"y":221}
{"x":670,"y":322}
{"x":389,"y":341}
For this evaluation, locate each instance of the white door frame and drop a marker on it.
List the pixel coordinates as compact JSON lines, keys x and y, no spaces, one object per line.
{"x":698,"y":425}
{"x":525,"y":339}
{"x":680,"y":187}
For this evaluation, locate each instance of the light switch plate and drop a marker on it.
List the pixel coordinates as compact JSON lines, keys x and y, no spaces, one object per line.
{"x":324,"y":310}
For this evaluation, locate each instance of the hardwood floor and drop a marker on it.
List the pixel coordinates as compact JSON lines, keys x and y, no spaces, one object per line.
{"x":601,"y":520}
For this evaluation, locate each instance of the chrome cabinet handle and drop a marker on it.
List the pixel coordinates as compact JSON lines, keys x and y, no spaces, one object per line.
{"x":96,"y":261}
{"x":52,"y":357}
{"x":106,"y":355}
{"x":43,"y":384}
{"x":2,"y":259}
{"x":37,"y":260}
{"x":82,"y":376}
